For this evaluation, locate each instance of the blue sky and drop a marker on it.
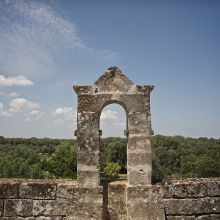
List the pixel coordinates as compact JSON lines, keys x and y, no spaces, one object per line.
{"x":48,"y":46}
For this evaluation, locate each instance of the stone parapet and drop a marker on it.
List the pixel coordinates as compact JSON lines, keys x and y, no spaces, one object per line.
{"x":64,"y":199}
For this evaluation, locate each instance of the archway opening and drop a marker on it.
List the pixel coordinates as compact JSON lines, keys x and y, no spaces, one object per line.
{"x":113,"y":142}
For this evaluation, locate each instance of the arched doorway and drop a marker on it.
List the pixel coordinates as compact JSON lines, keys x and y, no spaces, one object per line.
{"x":113,"y":142}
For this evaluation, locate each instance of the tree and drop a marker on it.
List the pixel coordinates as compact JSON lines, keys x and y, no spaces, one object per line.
{"x":63,"y":163}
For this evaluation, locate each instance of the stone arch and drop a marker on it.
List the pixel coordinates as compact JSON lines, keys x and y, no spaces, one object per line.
{"x":114,"y":87}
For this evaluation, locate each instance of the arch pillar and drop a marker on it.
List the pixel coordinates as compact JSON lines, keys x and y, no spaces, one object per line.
{"x":88,"y":168}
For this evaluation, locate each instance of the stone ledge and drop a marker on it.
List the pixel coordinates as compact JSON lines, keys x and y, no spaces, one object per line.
{"x":192,"y":188}
{"x":192,"y":206}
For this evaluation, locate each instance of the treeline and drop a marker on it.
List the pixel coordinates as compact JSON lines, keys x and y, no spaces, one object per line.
{"x":173,"y":157}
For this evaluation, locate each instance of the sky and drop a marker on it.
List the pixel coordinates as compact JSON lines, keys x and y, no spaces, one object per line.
{"x":46,"y":47}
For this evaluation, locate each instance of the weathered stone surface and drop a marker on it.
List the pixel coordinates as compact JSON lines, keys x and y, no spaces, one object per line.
{"x":185,"y":190}
{"x":85,"y":211}
{"x":1,"y":207}
{"x":80,"y":194}
{"x":88,"y":178}
{"x":139,"y":175}
{"x":117,"y":201}
{"x":83,"y":89}
{"x":138,"y":159}
{"x":145,"y":202}
{"x":209,"y":217}
{"x":9,"y":189}
{"x":113,"y":81}
{"x":18,"y":207}
{"x":192,"y":206}
{"x":37,"y":190}
{"x":192,"y":188}
{"x":49,"y":218}
{"x":17,"y":218}
{"x":186,"y":199}
{"x":113,"y":87}
{"x":181,"y":217}
{"x":139,"y":144}
{"x":143,"y":211}
{"x":137,"y":124}
{"x":146,"y":193}
{"x":50,"y":207}
{"x":213,"y":187}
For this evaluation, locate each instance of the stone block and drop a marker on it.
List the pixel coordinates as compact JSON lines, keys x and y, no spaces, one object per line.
{"x":135,"y":102}
{"x":139,"y":144}
{"x":80,"y":194}
{"x":83,"y":89}
{"x":18,"y":207}
{"x":92,"y":103}
{"x":50,"y":207}
{"x":139,"y":175}
{"x":138,"y":124}
{"x":9,"y":189}
{"x":139,"y":159}
{"x":117,"y":200}
{"x":213,"y":187}
{"x":88,"y":178}
{"x":192,"y":188}
{"x":185,"y":190}
{"x":85,"y":211}
{"x":144,"y":194}
{"x":1,"y":207}
{"x":38,"y":190}
{"x":192,"y":206}
{"x":143,"y":211}
{"x":88,"y":156}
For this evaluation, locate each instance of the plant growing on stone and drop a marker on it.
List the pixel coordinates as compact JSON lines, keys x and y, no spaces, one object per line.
{"x":111,"y":171}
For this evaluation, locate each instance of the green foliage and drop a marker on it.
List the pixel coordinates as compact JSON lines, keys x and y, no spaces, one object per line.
{"x":111,"y":171}
{"x":63,"y":162}
{"x":173,"y":157}
{"x":179,"y":157}
{"x":37,"y":158}
{"x":114,"y":150}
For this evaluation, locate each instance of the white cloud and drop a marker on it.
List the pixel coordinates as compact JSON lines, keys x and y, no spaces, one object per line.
{"x":3,"y":112}
{"x":65,"y":116}
{"x":109,"y":115}
{"x":34,"y":115}
{"x":15,"y":81}
{"x":13,"y":94}
{"x":33,"y":33}
{"x":20,"y":105}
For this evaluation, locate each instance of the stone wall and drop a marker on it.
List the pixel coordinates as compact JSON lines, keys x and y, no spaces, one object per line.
{"x":186,"y":199}
{"x":62,"y":199}
{"x":48,"y":200}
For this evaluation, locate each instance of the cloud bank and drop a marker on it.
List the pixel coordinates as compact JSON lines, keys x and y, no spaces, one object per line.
{"x":15,"y":81}
{"x":33,"y":34}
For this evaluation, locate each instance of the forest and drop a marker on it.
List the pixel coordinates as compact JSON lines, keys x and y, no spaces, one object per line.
{"x":174,"y":157}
